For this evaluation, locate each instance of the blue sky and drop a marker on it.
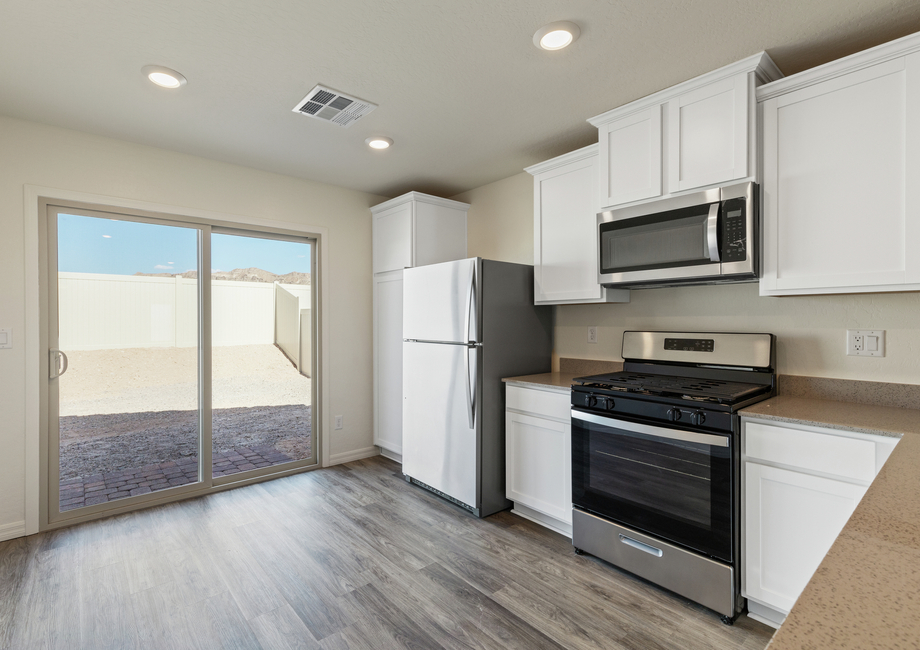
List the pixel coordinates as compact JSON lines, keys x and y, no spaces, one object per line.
{"x":94,"y":245}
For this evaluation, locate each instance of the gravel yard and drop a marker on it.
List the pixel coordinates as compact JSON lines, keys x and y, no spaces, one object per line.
{"x":129,"y":408}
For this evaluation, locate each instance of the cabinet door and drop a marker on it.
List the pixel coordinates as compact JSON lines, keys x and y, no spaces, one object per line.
{"x":708,"y":134}
{"x":565,"y":233}
{"x":388,"y":384}
{"x":790,"y":522}
{"x":393,"y":239}
{"x":440,"y":234}
{"x":539,"y":464}
{"x":841,"y":197}
{"x":630,"y":158}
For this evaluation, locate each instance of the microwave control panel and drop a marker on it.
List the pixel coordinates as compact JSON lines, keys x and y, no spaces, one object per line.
{"x":734,"y":232}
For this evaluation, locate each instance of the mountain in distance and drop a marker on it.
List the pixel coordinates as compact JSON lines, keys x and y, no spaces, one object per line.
{"x":251,"y":274}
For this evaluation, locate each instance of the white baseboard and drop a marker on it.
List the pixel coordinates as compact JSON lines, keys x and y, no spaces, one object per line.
{"x":13,"y":530}
{"x":357,"y":454}
{"x":392,"y":455}
{"x":552,"y":523}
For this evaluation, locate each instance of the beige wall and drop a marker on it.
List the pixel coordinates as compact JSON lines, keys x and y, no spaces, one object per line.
{"x":67,"y":160}
{"x":811,"y":330}
{"x":500,"y":221}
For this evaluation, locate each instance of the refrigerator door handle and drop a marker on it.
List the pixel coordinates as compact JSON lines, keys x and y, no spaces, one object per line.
{"x":471,"y":346}
{"x":469,"y":387}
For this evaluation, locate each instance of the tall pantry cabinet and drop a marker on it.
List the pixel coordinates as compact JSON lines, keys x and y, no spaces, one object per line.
{"x":411,"y":230}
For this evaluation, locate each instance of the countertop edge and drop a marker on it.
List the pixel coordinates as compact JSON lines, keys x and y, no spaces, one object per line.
{"x":556,"y":382}
{"x":821,"y":423}
{"x":887,"y":421}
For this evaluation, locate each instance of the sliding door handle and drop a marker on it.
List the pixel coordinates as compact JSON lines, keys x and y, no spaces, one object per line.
{"x":57,"y":362}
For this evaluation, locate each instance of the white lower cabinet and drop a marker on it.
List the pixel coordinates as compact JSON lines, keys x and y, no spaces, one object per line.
{"x":538,"y":456}
{"x":388,"y":363}
{"x":801,"y":484}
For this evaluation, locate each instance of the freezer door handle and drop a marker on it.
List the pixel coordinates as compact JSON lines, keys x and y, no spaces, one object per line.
{"x":470,"y":293}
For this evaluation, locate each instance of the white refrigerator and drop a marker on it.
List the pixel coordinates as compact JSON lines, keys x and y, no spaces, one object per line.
{"x":466,"y":325}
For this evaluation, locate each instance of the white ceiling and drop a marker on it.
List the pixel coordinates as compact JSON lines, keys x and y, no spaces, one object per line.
{"x":460,"y":86}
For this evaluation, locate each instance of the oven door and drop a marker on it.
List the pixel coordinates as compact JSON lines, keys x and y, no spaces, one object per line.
{"x":668,"y":482}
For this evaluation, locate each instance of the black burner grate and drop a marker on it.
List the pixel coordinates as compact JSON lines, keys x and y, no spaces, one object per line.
{"x":694,"y":388}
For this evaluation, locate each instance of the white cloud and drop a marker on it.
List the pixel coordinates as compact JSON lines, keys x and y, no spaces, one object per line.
{"x":162,"y":267}
{"x":107,"y":236}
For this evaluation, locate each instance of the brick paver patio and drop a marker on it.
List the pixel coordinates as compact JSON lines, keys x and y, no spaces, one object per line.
{"x":101,"y":488}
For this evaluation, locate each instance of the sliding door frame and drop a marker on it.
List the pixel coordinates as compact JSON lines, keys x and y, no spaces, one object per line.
{"x":37,"y":202}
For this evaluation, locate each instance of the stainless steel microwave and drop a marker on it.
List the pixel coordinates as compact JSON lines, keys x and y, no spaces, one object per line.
{"x":707,"y":237}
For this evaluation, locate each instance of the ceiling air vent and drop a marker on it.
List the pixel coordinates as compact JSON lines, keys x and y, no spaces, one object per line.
{"x":332,"y":106}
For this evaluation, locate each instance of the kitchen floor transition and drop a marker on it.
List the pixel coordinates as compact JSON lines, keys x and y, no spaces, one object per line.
{"x":346,"y":557}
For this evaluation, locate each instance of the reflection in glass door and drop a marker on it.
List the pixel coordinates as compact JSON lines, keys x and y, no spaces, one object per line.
{"x":262,"y":353}
{"x":127,"y":303}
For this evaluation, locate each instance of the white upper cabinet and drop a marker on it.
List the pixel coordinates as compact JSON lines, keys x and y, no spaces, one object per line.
{"x":416,"y":229}
{"x":841,"y":206}
{"x":631,"y":150}
{"x":565,"y":231}
{"x":709,"y":133}
{"x":696,"y":134}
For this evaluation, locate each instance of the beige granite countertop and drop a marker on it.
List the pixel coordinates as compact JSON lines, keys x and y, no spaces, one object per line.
{"x":866,"y":592}
{"x":865,"y":418}
{"x":569,"y":369}
{"x":557,"y":381}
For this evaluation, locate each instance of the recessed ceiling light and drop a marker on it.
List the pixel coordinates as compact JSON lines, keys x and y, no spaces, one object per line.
{"x":165,"y":77}
{"x":556,"y":36}
{"x":378,"y":142}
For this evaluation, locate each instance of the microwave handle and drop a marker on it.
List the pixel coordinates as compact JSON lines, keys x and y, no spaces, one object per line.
{"x":712,"y":232}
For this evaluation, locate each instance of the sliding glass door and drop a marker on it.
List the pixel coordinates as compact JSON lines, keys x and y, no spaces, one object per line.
{"x":261,"y":354}
{"x":180,"y":358}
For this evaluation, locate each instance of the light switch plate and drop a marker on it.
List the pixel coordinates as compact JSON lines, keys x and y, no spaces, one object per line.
{"x":6,"y":338}
{"x":866,"y":343}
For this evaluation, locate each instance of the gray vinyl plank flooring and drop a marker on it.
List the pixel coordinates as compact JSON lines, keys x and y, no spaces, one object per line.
{"x":345,"y":558}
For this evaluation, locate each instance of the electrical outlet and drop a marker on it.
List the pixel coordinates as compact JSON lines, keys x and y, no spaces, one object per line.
{"x":339,"y":422}
{"x":866,"y":343}
{"x":592,"y":335}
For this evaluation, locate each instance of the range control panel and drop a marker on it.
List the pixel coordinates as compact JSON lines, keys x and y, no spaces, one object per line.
{"x":690,"y":345}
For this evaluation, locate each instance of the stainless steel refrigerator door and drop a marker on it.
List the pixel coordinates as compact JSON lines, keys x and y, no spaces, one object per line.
{"x":440,"y":302}
{"x":440,"y":447}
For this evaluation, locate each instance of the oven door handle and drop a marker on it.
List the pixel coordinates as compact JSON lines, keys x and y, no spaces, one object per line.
{"x":649,"y":430}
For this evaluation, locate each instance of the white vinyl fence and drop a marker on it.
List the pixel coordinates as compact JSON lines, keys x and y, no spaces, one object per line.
{"x":293,"y":332}
{"x":100,"y":311}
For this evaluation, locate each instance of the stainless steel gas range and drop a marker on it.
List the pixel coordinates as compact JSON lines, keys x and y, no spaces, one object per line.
{"x":656,"y":459}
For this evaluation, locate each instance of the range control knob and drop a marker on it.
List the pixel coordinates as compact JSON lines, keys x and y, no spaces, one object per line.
{"x":697,"y":417}
{"x":674,"y":415}
{"x":610,"y":404}
{"x":592,"y":401}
